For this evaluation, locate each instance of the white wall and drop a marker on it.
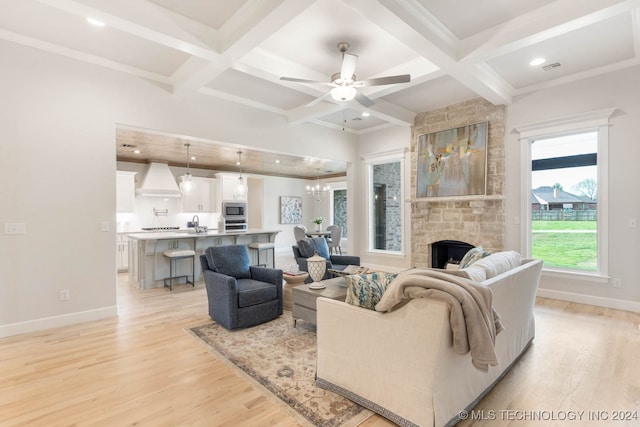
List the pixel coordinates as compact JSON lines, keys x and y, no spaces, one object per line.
{"x":57,"y":165}
{"x":619,"y":90}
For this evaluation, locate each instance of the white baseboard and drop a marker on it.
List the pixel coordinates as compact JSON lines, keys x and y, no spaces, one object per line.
{"x":618,"y":304}
{"x":56,"y":321}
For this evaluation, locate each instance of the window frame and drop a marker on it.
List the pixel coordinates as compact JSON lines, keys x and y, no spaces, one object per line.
{"x":597,"y":121}
{"x":392,"y":156}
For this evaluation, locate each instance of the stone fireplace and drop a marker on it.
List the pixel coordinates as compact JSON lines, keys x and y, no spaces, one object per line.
{"x":476,"y":220}
{"x":448,"y":251}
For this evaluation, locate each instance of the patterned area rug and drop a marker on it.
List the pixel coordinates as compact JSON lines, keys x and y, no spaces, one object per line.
{"x":282,"y":360}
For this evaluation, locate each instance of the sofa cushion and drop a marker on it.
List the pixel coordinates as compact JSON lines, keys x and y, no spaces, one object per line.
{"x":473,"y":272}
{"x":473,"y":255}
{"x":253,"y":292}
{"x":229,"y":260}
{"x":365,"y":290}
{"x":498,"y":263}
{"x":309,"y":246}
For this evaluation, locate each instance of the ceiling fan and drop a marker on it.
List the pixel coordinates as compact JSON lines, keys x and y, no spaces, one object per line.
{"x":344,"y":83}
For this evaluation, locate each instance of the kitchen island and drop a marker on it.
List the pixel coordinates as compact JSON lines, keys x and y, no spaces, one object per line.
{"x":148,"y":266}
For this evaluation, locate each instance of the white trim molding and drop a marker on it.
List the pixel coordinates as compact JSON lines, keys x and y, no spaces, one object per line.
{"x":559,"y":126}
{"x":597,"y":301}
{"x":57,"y":321}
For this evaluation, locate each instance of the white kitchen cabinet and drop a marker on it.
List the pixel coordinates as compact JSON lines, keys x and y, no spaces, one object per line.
{"x":228,"y":184}
{"x":122,"y":252}
{"x":202,"y":198}
{"x":125,"y":191}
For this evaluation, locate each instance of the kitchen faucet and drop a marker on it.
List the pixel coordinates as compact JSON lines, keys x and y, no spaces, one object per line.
{"x":196,"y":224}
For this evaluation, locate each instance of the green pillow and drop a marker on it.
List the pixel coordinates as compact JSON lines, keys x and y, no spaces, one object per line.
{"x":365,"y":290}
{"x":472,"y":256}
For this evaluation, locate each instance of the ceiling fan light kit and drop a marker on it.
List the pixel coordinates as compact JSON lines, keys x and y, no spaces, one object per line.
{"x":343,"y":93}
{"x":344,"y":83}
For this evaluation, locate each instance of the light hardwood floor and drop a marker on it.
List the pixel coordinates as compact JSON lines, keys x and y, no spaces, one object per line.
{"x":143,"y":368}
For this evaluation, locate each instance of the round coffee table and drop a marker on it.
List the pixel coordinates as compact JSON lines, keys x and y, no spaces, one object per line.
{"x":290,"y":283}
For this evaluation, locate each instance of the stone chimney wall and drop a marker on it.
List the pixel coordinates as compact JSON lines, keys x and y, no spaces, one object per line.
{"x":478,"y":220}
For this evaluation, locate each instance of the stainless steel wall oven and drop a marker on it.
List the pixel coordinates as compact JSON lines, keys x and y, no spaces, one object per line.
{"x":235,"y":215}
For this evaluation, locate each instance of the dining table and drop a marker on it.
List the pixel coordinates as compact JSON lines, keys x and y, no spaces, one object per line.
{"x":321,"y":233}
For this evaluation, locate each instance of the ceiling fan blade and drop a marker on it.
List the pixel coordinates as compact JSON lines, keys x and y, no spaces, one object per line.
{"x":363,"y":100}
{"x":389,"y":80}
{"x":293,"y":79}
{"x":349,"y":62}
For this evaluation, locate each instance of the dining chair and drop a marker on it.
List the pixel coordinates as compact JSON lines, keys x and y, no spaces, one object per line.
{"x":334,"y":240}
{"x":299,"y":232}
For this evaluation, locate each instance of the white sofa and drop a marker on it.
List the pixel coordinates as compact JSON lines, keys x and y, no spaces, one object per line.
{"x":402,"y":365}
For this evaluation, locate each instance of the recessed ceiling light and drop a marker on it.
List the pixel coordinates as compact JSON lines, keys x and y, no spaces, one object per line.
{"x":95,"y":22}
{"x":277,"y":161}
{"x":537,"y":61}
{"x":194,"y":158}
{"x":365,"y":114}
{"x":137,"y":151}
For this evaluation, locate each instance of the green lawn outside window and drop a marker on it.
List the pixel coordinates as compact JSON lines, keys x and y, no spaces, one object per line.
{"x":565,"y":244}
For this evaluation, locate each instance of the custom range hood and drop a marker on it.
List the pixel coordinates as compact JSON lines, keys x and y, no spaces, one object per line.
{"x":159,"y":182}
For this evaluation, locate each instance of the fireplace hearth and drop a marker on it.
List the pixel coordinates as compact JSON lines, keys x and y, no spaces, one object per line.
{"x":445,"y":251}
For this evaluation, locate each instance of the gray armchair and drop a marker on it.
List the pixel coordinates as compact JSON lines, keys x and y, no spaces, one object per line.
{"x":240,"y":295}
{"x":306,"y":248}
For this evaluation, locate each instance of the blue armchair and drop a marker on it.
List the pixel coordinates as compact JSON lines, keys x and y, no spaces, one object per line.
{"x":306,"y":248}
{"x":240,"y":295}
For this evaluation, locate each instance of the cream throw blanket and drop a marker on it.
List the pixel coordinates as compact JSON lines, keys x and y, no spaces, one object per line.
{"x":473,"y":320}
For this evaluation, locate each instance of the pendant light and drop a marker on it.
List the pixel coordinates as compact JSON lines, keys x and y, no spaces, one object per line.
{"x":241,"y":187}
{"x":186,"y":181}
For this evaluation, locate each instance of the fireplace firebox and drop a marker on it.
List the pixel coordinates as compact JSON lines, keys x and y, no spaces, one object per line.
{"x":448,"y":251}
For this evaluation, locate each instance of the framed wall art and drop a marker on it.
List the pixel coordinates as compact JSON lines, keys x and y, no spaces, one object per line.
{"x":453,"y":162}
{"x":290,"y":210}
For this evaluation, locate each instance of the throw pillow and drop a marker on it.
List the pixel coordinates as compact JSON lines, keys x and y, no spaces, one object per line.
{"x":230,"y":260}
{"x":309,"y":246}
{"x":498,"y":263}
{"x":473,"y":272}
{"x":473,"y":255}
{"x":365,"y":290}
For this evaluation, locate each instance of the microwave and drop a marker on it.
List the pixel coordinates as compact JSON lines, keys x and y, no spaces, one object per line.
{"x":234,"y":210}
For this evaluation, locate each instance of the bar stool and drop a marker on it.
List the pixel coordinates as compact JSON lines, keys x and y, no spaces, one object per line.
{"x":174,"y":255}
{"x":259,"y":247}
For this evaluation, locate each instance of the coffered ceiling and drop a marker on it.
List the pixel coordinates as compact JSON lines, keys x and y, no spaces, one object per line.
{"x":237,"y":50}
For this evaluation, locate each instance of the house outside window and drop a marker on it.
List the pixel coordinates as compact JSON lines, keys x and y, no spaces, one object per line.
{"x":385,"y":202}
{"x":564,"y":176}
{"x":564,"y":187}
{"x":339,"y":203}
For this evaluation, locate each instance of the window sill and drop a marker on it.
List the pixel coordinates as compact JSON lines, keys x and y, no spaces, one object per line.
{"x":386,"y":254}
{"x":576,"y":275}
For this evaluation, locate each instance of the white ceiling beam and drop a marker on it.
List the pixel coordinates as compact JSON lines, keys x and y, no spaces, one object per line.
{"x":82,"y":56}
{"x":145,"y":20}
{"x":245,"y":30}
{"x":268,"y":66}
{"x":398,"y":18}
{"x":387,"y":111}
{"x":255,"y":21}
{"x":241,"y":100}
{"x":552,"y":20}
{"x":306,"y":114}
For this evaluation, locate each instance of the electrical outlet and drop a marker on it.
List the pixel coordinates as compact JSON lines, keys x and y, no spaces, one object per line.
{"x":633,"y":222}
{"x":64,"y":295}
{"x":617,"y":283}
{"x":15,"y":228}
